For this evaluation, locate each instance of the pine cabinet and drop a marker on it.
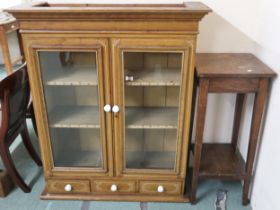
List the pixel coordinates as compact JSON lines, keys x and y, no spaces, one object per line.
{"x":112,"y":88}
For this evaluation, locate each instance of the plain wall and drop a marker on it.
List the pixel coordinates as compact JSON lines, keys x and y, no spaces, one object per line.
{"x":266,"y":184}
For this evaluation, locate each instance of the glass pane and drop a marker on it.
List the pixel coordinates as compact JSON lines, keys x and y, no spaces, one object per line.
{"x":152,"y":87}
{"x":71,"y":95}
{"x":14,"y":49}
{"x":14,"y":54}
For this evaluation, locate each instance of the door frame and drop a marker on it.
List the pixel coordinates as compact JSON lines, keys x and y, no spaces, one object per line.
{"x":33,"y":45}
{"x":161,"y":44}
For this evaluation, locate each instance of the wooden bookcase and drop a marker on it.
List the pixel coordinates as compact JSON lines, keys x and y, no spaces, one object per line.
{"x":112,"y":89}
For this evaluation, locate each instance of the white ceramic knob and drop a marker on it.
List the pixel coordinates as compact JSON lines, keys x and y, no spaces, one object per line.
{"x":68,"y":188}
{"x":114,"y":188}
{"x":107,"y":108}
{"x":12,"y":26}
{"x":129,"y":78}
{"x":115,"y":109}
{"x":160,"y":189}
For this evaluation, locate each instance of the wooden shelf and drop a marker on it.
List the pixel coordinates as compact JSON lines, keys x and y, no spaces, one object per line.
{"x":72,"y":76}
{"x":151,"y":77}
{"x":150,"y":160}
{"x":136,"y":118}
{"x":74,"y":117}
{"x":221,"y":161}
{"x":151,"y":118}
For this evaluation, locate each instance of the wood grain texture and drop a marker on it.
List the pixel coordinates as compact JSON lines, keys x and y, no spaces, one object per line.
{"x":151,"y":187}
{"x":221,"y":161}
{"x":257,"y":116}
{"x":110,"y":31}
{"x":238,"y":114}
{"x":78,"y":186}
{"x":241,"y":74}
{"x":187,"y":11}
{"x":236,"y":85}
{"x":31,"y":49}
{"x":111,"y":197}
{"x":104,"y":186}
{"x":200,"y":122}
{"x":231,"y":65}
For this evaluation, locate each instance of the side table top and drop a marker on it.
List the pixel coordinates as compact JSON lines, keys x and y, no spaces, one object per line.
{"x":6,"y":18}
{"x":231,"y":65}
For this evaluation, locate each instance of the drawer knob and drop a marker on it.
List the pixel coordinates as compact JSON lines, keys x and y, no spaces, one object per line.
{"x":107,"y":108}
{"x":114,"y":188}
{"x":68,"y":188}
{"x":115,"y":109}
{"x":13,"y":26}
{"x":160,"y":189}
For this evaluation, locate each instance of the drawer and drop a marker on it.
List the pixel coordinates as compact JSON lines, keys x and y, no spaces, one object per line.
{"x":109,"y":186}
{"x":160,"y":187}
{"x":68,"y":186}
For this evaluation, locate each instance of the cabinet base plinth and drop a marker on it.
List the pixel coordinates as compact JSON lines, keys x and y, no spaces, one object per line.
{"x":110,"y":197}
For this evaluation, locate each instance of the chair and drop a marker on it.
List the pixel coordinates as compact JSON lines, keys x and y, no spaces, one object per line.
{"x":14,"y":99}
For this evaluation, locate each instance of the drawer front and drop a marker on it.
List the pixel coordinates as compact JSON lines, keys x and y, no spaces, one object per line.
{"x":108,"y":186}
{"x":160,"y":187}
{"x":68,"y":186}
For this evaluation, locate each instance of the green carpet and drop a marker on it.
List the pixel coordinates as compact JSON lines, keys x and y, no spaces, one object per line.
{"x":17,"y":200}
{"x":3,"y":73}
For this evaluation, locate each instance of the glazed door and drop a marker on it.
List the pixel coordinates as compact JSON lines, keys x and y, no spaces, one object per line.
{"x":149,"y":105}
{"x":73,"y":80}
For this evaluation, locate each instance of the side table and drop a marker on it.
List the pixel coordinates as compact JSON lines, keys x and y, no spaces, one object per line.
{"x":9,"y":24}
{"x":228,"y":73}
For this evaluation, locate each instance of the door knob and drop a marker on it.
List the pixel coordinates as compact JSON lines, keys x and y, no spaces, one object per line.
{"x":115,"y":109}
{"x":107,"y":108}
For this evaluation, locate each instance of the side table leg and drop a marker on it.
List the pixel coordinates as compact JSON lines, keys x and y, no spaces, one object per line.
{"x":195,"y":84}
{"x":6,"y":52}
{"x":239,"y":106}
{"x":258,"y":110}
{"x":200,"y":121}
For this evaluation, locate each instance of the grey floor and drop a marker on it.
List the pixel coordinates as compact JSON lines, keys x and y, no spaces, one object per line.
{"x":33,"y":175}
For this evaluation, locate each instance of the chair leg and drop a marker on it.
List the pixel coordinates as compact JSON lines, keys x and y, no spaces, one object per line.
{"x":27,"y":143}
{"x":11,"y":169}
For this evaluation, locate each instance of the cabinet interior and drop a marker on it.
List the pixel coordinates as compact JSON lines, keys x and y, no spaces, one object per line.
{"x":151,"y":97}
{"x":151,"y":89}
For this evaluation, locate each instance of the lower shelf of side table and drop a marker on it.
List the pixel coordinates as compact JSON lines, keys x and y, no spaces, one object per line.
{"x":221,"y":161}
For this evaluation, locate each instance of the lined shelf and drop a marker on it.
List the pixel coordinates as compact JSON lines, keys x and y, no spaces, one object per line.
{"x":72,"y":76}
{"x":74,"y":117}
{"x":151,"y":118}
{"x":151,"y":77}
{"x":136,"y":118}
